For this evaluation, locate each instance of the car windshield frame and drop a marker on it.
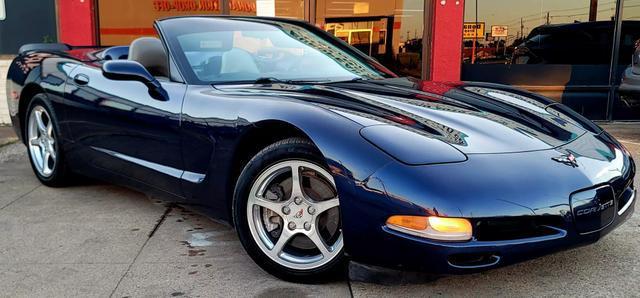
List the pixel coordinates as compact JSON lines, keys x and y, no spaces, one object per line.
{"x":171,"y":29}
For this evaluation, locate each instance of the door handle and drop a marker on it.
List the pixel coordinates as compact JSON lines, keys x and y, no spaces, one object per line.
{"x":81,"y":79}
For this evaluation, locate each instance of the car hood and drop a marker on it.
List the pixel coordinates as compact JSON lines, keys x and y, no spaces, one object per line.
{"x":475,"y":118}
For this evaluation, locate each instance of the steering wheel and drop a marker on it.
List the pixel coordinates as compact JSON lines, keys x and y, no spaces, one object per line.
{"x":274,"y":59}
{"x":269,"y":55}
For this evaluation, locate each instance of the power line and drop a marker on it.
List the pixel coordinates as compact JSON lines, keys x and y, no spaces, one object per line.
{"x":516,"y":20}
{"x":545,"y":17}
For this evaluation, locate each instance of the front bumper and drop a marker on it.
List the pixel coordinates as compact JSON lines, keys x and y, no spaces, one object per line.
{"x":474,"y":256}
{"x":409,"y":252}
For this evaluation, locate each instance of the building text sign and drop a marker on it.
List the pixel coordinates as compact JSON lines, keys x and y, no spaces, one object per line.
{"x":473,"y":30}
{"x":499,"y":31}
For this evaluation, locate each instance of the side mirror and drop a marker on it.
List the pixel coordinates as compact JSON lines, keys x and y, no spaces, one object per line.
{"x":127,"y":70}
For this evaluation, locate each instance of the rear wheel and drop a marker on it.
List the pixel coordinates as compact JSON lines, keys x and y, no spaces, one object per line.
{"x":287,"y":212}
{"x":43,"y":143}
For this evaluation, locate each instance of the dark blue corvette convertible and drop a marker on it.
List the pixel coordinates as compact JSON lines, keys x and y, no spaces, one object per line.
{"x":316,"y":153}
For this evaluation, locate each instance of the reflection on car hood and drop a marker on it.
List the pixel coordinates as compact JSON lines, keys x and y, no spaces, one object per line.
{"x":475,"y":118}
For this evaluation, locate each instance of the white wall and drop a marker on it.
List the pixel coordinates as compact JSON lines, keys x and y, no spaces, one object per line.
{"x":4,"y":110}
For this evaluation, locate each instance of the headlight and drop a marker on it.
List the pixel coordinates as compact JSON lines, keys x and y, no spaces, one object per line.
{"x":432,"y":227}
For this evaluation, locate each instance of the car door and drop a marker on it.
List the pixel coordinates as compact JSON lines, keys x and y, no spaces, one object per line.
{"x":120,"y":127}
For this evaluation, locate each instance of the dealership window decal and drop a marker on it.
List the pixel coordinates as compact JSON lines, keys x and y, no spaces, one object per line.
{"x":3,"y":13}
{"x":266,"y":8}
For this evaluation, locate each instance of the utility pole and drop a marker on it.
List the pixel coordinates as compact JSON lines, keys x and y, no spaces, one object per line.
{"x":506,"y":40}
{"x":593,"y":11}
{"x":548,"y":18}
{"x":521,"y":28}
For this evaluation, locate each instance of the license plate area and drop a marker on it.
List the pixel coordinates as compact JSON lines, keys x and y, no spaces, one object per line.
{"x":593,"y":209}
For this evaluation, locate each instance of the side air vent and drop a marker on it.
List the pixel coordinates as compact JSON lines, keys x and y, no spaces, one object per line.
{"x":517,"y":228}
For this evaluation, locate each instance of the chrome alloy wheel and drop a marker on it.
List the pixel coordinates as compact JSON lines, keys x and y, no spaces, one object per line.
{"x":294,"y":217}
{"x":41,"y":141}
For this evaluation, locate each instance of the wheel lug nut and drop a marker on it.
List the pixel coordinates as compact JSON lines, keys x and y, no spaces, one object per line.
{"x":298,"y":200}
{"x":307,"y":226}
{"x":311,"y":210}
{"x":286,"y":210}
{"x":292,"y":226}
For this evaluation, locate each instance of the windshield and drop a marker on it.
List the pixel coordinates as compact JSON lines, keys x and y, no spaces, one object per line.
{"x":214,"y":50}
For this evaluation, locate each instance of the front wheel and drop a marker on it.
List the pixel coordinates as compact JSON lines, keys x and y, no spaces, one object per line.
{"x":287,"y":213}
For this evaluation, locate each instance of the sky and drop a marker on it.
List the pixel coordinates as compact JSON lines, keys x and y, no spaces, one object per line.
{"x":534,"y":12}
{"x":411,"y":14}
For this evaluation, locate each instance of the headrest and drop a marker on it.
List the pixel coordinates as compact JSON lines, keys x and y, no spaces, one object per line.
{"x":150,"y":52}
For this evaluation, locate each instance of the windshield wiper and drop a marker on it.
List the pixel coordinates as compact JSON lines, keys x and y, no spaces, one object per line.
{"x":269,"y":80}
{"x":350,"y":80}
{"x":272,"y":80}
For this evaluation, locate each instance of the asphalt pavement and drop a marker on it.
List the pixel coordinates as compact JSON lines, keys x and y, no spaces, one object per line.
{"x":98,"y":240}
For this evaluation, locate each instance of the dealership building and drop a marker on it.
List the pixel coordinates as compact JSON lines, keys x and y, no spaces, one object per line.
{"x":573,"y":51}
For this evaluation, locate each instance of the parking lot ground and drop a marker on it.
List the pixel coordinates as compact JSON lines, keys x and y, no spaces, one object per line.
{"x":97,"y":240}
{"x":7,"y":135}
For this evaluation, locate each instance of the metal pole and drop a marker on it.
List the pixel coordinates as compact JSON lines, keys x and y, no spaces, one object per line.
{"x":310,"y":11}
{"x":593,"y":11}
{"x":96,"y":23}
{"x":57,"y":12}
{"x":224,"y":4}
{"x":475,"y":37}
{"x":427,"y":38}
{"x":613,"y":69}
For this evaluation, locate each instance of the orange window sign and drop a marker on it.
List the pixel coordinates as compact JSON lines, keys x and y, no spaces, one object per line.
{"x":242,"y":6}
{"x":186,"y":5}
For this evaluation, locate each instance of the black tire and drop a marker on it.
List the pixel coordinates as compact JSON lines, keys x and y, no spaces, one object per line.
{"x":288,"y":149}
{"x":61,"y":175}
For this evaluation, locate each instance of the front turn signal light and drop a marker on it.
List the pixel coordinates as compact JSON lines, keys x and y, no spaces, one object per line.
{"x":409,"y":222}
{"x":432,"y":227}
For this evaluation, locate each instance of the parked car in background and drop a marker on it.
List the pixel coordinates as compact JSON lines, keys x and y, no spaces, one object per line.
{"x":630,"y":84}
{"x":576,"y":43}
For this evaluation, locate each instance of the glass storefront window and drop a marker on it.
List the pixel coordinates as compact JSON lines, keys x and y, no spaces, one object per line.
{"x":390,"y":31}
{"x":561,"y":49}
{"x":122,"y":21}
{"x":539,"y":32}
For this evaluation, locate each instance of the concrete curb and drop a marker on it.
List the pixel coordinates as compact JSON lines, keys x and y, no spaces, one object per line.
{"x":7,"y":142}
{"x":359,"y":272}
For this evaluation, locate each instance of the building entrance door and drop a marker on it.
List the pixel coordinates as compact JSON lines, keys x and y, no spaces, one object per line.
{"x":371,"y":35}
